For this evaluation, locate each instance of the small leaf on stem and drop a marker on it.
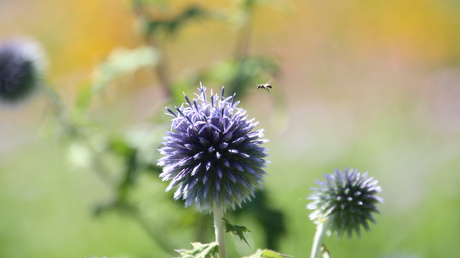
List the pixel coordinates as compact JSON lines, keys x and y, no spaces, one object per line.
{"x":236,"y":230}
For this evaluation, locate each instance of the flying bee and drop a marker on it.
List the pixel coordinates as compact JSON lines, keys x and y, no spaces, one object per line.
{"x":267,"y":86}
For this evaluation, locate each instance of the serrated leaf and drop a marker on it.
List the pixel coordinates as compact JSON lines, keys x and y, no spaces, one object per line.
{"x":173,"y":24}
{"x":236,"y":230}
{"x":122,"y":62}
{"x":200,"y":250}
{"x":266,"y":253}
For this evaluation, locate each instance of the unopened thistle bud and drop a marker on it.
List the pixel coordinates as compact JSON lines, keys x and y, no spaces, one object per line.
{"x":346,"y":200}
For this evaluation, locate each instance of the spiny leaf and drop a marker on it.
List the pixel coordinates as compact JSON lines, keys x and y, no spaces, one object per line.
{"x":123,"y":62}
{"x":200,"y":250}
{"x":236,"y":230}
{"x":267,"y":254}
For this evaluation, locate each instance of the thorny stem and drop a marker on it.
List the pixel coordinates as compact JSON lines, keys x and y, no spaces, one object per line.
{"x":244,"y":36}
{"x":219,"y":230}
{"x":161,"y":68}
{"x":242,"y":45}
{"x":58,"y":108}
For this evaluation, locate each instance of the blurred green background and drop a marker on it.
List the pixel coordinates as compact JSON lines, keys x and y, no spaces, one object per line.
{"x":368,"y":84}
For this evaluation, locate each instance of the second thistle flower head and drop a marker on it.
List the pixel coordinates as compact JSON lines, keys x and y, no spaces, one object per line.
{"x":347,"y":200}
{"x":212,"y":155}
{"x":21,"y":65}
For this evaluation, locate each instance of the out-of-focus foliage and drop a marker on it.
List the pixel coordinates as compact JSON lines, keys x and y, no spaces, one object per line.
{"x":241,"y":75}
{"x":121,"y":62}
{"x":170,"y":26}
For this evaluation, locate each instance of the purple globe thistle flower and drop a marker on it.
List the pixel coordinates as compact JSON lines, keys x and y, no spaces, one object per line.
{"x":347,"y":200}
{"x":212,"y":153}
{"x":21,"y":65}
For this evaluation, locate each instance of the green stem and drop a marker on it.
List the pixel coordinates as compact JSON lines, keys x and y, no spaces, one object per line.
{"x":321,"y":230}
{"x":219,"y":230}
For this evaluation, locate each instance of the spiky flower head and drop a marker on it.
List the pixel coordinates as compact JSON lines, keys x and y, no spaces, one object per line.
{"x":212,"y":155}
{"x":347,"y":200}
{"x":21,"y":66}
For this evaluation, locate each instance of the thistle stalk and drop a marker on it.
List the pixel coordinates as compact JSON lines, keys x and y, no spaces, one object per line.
{"x":321,"y":230}
{"x":219,"y":230}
